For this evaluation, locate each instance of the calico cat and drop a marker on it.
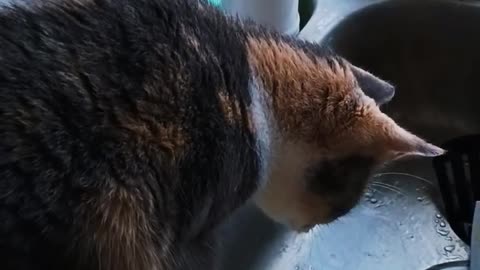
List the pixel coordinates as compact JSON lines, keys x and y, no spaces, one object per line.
{"x":130,"y":129}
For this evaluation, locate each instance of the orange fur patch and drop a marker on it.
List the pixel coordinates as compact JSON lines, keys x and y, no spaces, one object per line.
{"x":230,"y":108}
{"x":120,"y":233}
{"x":169,"y":136}
{"x":307,"y":95}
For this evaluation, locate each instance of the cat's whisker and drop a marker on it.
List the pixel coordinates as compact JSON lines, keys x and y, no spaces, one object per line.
{"x":406,"y":174}
{"x":391,"y":189}
{"x":388,"y":187}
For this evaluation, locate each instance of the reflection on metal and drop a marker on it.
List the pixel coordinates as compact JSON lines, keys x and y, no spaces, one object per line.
{"x":475,"y":242}
{"x":432,"y":58}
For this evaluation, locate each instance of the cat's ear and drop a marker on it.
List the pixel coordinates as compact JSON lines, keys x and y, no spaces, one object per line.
{"x":374,"y":87}
{"x":396,"y":142}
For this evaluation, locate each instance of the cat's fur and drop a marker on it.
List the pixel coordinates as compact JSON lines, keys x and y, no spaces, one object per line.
{"x":131,"y":128}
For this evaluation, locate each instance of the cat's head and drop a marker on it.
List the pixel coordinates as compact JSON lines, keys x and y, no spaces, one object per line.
{"x":331,"y":134}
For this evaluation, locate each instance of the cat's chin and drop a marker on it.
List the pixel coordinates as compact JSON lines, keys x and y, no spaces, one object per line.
{"x":305,"y":228}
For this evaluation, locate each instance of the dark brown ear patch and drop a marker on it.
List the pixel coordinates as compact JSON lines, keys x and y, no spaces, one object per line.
{"x":339,"y":176}
{"x":374,"y":87}
{"x":340,"y":182}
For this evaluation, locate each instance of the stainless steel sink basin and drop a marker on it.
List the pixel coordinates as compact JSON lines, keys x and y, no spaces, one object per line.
{"x":430,"y":50}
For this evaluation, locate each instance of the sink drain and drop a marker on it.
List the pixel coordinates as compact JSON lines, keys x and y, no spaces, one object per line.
{"x":458,"y":173}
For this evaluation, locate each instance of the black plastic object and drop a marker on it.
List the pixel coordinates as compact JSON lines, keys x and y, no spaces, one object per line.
{"x":457,"y":265}
{"x":458,"y":173}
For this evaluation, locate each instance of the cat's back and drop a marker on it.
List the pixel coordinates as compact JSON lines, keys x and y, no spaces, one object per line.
{"x":88,"y":70}
{"x":49,"y":38}
{"x":85,"y":52}
{"x":96,"y":96}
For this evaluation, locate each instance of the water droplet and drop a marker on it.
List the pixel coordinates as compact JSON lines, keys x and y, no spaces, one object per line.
{"x":380,"y":204}
{"x":373,"y":200}
{"x":442,"y":232}
{"x":297,"y":267}
{"x":368,"y":194}
{"x":442,"y":224}
{"x":438,"y":216}
{"x":449,"y":248}
{"x":420,"y":199}
{"x":449,"y":238}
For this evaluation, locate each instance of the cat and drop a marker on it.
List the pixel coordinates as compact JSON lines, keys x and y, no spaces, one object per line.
{"x":132,"y":128}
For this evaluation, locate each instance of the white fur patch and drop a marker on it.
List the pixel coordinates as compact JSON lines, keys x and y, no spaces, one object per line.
{"x":263,"y":125}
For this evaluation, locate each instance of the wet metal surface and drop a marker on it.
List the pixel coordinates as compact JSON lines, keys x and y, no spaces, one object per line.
{"x":429,"y":49}
{"x":397,"y":224}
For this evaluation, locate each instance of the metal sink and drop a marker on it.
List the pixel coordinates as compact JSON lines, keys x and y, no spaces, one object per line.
{"x":430,"y":51}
